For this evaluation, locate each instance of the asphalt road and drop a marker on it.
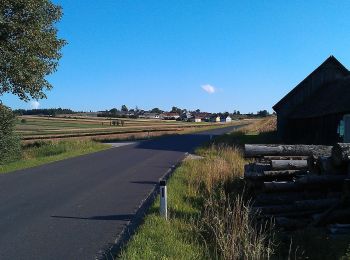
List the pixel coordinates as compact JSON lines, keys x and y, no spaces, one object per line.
{"x":72,"y":208}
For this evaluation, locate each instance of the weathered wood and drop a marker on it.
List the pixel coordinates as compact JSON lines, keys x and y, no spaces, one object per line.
{"x":336,"y":216}
{"x":327,"y":167}
{"x":341,"y":153}
{"x":289,"y":165}
{"x":321,"y":179}
{"x":339,"y":229}
{"x":255,"y":150}
{"x":278,"y":186}
{"x":291,"y":197}
{"x":291,"y":223}
{"x":298,"y":206}
{"x":257,"y":167}
{"x":269,"y":158}
{"x":270,"y":175}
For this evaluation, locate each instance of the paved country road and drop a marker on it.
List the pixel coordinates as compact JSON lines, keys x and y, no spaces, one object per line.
{"x":72,"y":208}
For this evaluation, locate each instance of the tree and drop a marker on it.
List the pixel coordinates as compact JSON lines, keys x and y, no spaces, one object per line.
{"x":29,"y":47}
{"x":156,"y":110}
{"x":10,"y":146}
{"x":176,"y":110}
{"x":263,"y":113}
{"x":124,"y":108}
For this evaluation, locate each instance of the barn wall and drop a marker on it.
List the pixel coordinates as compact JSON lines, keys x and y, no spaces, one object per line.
{"x":320,"y":130}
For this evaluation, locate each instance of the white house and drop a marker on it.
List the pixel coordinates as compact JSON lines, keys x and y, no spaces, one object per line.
{"x":228,"y":119}
{"x":217,"y":119}
{"x":197,"y":119}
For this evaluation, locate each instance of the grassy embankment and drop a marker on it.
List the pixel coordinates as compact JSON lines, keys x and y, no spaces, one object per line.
{"x":208,"y":210}
{"x":210,"y":213}
{"x":45,"y":152}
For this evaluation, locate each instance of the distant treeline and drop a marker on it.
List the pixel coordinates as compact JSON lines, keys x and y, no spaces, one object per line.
{"x":45,"y":112}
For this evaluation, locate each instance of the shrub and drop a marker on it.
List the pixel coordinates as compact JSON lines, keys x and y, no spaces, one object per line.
{"x":10,"y":146}
{"x":23,"y":121}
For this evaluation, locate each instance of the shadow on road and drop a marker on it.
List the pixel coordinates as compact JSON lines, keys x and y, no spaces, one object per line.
{"x":125,"y":217}
{"x":186,"y":142}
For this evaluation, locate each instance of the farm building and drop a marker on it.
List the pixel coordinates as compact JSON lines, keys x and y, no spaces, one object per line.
{"x":197,"y":119}
{"x":313,"y":111}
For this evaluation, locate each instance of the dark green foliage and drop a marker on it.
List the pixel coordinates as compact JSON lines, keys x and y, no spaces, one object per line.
{"x":10,"y":147}
{"x":29,"y":47}
{"x":44,"y":111}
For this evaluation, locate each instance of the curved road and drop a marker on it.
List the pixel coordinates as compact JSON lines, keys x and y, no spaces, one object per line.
{"x":72,"y":208}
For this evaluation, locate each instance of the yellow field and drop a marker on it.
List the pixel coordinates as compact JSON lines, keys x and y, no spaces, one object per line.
{"x":37,"y":127}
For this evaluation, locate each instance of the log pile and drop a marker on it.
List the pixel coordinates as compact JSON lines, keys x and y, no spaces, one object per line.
{"x":301,"y":185}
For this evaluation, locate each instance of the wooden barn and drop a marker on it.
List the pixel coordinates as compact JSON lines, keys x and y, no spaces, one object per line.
{"x":313,"y":111}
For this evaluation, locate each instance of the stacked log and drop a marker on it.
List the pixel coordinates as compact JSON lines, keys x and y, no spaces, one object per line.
{"x":300,"y":185}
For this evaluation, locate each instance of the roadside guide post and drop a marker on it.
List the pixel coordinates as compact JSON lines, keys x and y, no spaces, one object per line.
{"x":163,"y":199}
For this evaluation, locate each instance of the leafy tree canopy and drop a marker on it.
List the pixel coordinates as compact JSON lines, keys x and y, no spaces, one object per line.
{"x":124,"y":108}
{"x":29,"y":47}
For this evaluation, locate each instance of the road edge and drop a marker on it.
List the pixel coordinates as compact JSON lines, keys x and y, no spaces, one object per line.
{"x":111,"y":251}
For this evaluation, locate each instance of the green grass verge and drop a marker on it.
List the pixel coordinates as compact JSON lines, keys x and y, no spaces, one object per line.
{"x":45,"y":152}
{"x":176,"y":238}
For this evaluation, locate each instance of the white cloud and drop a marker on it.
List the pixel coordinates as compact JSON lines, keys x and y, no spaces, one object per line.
{"x":209,"y":88}
{"x":34,"y":104}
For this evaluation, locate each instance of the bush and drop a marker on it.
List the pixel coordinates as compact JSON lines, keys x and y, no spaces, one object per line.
{"x":23,"y":121}
{"x":10,"y":146}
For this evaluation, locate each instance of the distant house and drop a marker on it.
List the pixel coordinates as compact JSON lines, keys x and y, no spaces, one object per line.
{"x":150,"y":116}
{"x":313,"y":112}
{"x":169,"y":116}
{"x":197,"y":119}
{"x":228,"y":119}
{"x":186,"y":116}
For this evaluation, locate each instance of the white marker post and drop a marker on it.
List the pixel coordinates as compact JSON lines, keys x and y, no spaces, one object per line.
{"x":163,"y":199}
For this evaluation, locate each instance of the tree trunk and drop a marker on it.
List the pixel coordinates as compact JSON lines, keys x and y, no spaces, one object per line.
{"x":321,"y":179}
{"x":327,"y":167}
{"x":269,"y":158}
{"x":336,"y":216}
{"x":283,"y":186}
{"x":298,"y":206}
{"x":341,"y":153}
{"x":265,"y":175}
{"x":291,"y":197}
{"x":259,"y":150}
{"x":291,"y":223}
{"x":289,"y":164}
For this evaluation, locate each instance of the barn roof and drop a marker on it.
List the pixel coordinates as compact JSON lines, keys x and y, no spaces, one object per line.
{"x":333,"y":98}
{"x":331,"y":60}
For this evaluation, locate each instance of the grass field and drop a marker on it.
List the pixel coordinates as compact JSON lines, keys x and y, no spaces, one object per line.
{"x":36,"y":128}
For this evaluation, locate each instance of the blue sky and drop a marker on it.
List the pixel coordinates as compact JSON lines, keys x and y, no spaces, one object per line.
{"x":149,"y":53}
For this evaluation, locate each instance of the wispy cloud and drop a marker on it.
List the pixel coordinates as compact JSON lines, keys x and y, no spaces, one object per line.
{"x":34,"y":104}
{"x":209,"y":88}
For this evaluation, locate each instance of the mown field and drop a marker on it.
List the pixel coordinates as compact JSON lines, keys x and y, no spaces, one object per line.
{"x":37,"y":128}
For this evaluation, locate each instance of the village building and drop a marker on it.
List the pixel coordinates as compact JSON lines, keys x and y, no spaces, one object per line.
{"x":197,"y":119}
{"x":150,"y":116}
{"x":169,"y":116}
{"x":314,"y":111}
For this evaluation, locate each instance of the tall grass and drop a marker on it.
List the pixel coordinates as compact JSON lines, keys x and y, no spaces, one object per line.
{"x":207,"y":196}
{"x":234,"y":231}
